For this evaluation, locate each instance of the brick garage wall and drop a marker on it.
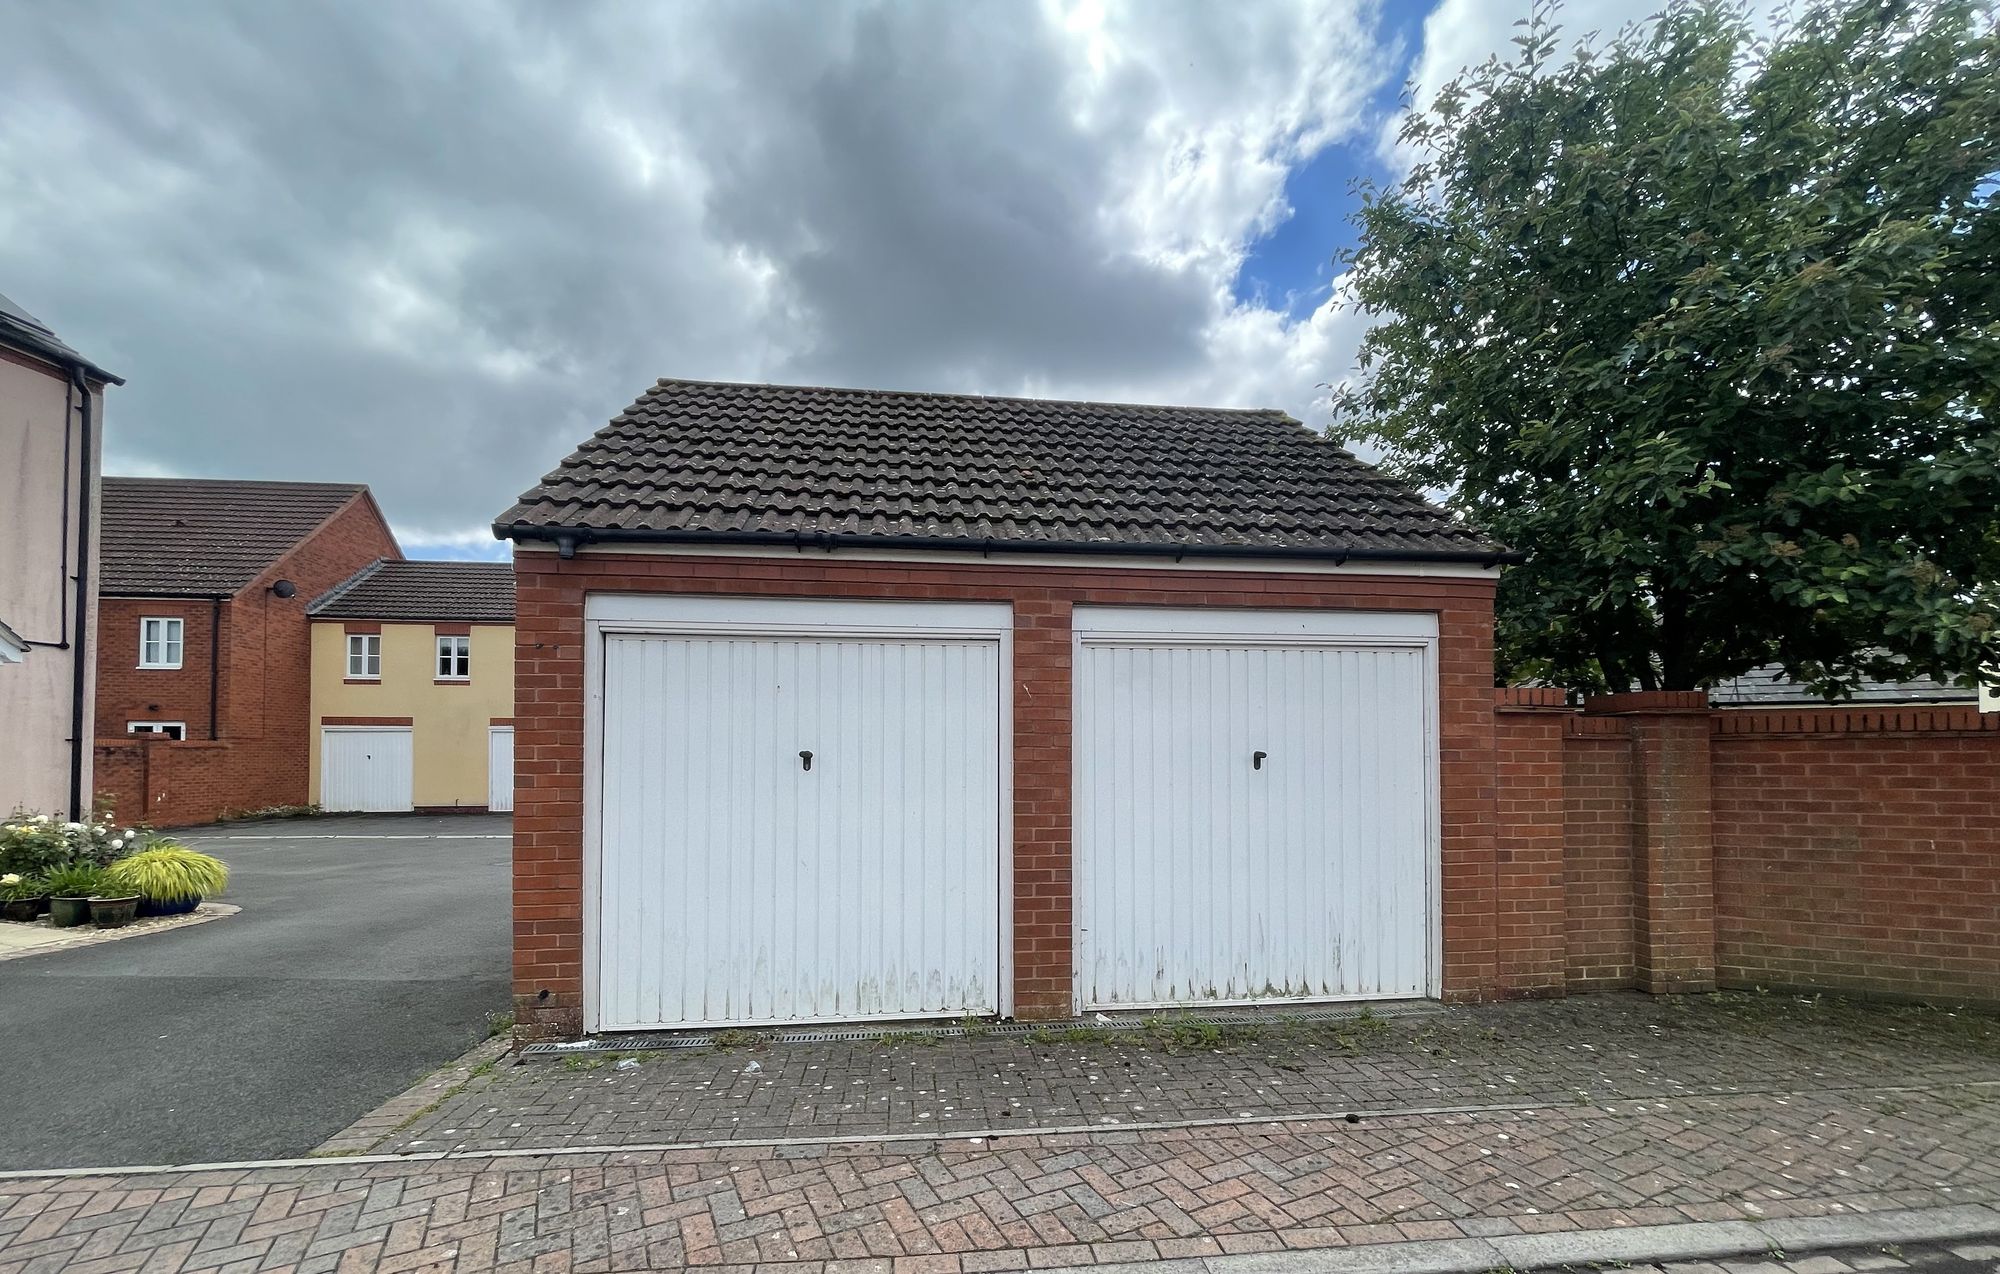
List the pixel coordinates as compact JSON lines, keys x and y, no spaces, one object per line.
{"x":1859,"y":851}
{"x":548,"y":820}
{"x":264,"y":681}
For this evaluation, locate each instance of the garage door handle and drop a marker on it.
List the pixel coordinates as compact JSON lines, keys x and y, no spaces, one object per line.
{"x":806,"y":759}
{"x":1257,"y":760}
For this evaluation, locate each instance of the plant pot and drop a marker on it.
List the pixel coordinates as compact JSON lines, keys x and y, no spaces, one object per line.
{"x":68,"y":913}
{"x":24,"y":909}
{"x":154,"y":907}
{"x":113,"y":913}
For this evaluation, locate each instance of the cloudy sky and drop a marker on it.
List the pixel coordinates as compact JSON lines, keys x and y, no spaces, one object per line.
{"x":430,"y":245}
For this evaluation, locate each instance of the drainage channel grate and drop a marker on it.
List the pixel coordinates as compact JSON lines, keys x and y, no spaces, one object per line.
{"x":657,"y":1041}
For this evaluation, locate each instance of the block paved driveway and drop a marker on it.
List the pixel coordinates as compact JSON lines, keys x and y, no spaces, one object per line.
{"x":1472,"y":1123}
{"x":362,"y":959}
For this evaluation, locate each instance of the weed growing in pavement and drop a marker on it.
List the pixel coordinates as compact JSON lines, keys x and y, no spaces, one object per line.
{"x":499,"y":1024}
{"x":737,"y":1037}
{"x":577,"y":1063}
{"x":1070,"y":1035}
{"x":974,"y":1028}
{"x":922,"y":1039}
{"x":1933,"y":1026}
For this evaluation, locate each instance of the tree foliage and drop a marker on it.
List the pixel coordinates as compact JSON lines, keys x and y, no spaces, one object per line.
{"x":1709,"y":326}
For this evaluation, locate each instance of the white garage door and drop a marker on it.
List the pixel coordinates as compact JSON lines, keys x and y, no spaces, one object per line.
{"x":364,"y":768}
{"x":798,"y":828}
{"x":500,"y":769}
{"x":1255,"y":800}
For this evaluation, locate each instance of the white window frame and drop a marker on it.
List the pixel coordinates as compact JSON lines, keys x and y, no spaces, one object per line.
{"x":171,"y":641}
{"x":457,"y":649}
{"x":158,"y":727}
{"x":364,"y":656}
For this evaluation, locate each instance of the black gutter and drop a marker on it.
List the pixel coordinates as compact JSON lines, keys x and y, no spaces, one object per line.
{"x":84,"y":656}
{"x":568,"y":538}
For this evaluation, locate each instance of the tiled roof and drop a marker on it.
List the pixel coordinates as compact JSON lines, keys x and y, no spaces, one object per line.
{"x":725,"y":462}
{"x":1768,"y":686}
{"x":24,"y":331}
{"x":457,"y":592}
{"x":202,"y":537}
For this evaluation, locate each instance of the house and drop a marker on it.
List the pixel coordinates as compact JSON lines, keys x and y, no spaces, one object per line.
{"x":848,"y":705}
{"x":1769,"y":687}
{"x":51,"y":444}
{"x":204,"y":667}
{"x":413,"y":688}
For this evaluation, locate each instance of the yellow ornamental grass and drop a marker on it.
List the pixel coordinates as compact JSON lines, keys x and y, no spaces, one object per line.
{"x":170,"y":873}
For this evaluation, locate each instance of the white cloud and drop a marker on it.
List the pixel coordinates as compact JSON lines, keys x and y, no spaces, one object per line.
{"x":431,"y":246}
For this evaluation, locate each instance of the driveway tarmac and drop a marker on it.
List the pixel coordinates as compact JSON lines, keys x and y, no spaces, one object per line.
{"x":369,"y":951}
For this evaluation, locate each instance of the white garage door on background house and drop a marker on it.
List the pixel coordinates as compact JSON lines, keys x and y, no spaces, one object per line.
{"x":500,"y":769}
{"x":365,"y":768}
{"x":800,"y":811}
{"x":1255,"y":812}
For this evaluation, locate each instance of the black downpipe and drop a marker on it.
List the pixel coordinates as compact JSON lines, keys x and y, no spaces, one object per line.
{"x":214,"y":659}
{"x":83,"y":652}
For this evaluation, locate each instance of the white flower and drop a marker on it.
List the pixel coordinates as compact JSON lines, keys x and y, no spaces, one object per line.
{"x":72,"y":827}
{"x":11,"y":878}
{"x":41,"y":818}
{"x":118,"y":844}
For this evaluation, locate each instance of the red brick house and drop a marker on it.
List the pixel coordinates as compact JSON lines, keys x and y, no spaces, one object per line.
{"x":840,"y":705}
{"x":204,"y":650}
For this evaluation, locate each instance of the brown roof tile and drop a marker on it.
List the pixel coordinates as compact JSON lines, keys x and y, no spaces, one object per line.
{"x":695,"y":459}
{"x":455,"y":592}
{"x":202,"y":537}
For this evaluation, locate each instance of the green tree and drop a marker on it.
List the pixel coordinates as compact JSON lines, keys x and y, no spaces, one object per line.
{"x":1709,"y":326}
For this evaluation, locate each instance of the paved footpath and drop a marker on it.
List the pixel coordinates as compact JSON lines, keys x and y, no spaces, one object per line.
{"x":1830,"y":1140}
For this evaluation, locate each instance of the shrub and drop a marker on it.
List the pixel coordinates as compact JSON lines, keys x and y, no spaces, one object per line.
{"x":34,"y":843}
{"x":167,"y":872}
{"x":14,"y":887}
{"x":78,"y":880}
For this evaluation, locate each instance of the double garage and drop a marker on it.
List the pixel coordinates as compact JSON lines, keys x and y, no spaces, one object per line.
{"x":805,"y":810}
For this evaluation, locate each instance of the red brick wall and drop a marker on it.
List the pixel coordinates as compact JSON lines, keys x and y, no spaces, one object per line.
{"x":1859,"y":851}
{"x":126,"y":692}
{"x":1846,"y":850}
{"x":548,"y":820}
{"x":264,"y":700}
{"x":1598,"y":844}
{"x":1533,"y":926}
{"x":166,"y":784}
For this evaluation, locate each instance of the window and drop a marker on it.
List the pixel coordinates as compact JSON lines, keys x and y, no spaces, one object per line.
{"x":159,"y":643}
{"x":364,"y":656}
{"x":172,"y":729}
{"x":454,"y":658}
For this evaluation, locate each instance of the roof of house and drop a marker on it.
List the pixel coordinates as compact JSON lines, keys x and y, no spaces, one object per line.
{"x":457,"y":592}
{"x":734,"y":463}
{"x":1769,"y":687}
{"x":24,"y":331}
{"x":12,"y":646}
{"x":205,"y":537}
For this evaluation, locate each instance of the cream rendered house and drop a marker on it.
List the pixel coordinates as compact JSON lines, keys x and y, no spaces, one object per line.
{"x":413,"y":689}
{"x":51,"y":439}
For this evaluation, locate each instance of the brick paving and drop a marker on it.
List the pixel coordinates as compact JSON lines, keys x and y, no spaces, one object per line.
{"x":1871,"y":1111}
{"x":1587,"y":1049}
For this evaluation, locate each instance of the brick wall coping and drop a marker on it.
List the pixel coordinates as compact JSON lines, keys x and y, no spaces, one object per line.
{"x":162,"y":741}
{"x":1913,"y":720}
{"x":1531,"y":699}
{"x":1650,"y":702}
